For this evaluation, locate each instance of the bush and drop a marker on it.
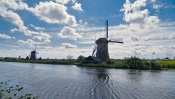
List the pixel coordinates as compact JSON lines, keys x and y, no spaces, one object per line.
{"x":110,"y":62}
{"x":133,"y":63}
{"x":155,"y":66}
{"x":80,"y":58}
{"x":0,"y":95}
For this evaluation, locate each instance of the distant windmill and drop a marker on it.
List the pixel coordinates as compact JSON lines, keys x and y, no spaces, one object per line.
{"x":101,"y":46}
{"x":33,"y":54}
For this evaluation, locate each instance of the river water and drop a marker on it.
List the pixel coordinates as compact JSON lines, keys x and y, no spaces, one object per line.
{"x":72,"y":82}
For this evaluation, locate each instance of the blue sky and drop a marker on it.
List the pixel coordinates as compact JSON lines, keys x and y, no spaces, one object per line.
{"x":69,"y":27}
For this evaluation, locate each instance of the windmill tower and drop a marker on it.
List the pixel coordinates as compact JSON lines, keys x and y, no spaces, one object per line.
{"x":33,"y":54}
{"x":101,"y":46}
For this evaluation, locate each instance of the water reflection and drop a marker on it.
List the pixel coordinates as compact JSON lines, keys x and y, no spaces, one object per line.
{"x":135,"y":75}
{"x":71,"y":82}
{"x":102,"y":74}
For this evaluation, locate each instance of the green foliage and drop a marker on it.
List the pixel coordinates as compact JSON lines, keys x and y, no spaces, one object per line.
{"x":129,"y":63}
{"x":133,"y":63}
{"x":146,"y":65}
{"x":0,"y":95}
{"x":7,"y":92}
{"x":155,"y":66}
{"x":80,"y":58}
{"x":110,"y":62}
{"x":170,"y":64}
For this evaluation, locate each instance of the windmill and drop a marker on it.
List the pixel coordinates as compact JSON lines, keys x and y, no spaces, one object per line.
{"x":33,"y":54}
{"x":101,"y":46}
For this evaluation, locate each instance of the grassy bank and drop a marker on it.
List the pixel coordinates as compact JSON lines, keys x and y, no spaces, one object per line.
{"x":129,"y":63}
{"x":44,"y":61}
{"x":169,"y":64}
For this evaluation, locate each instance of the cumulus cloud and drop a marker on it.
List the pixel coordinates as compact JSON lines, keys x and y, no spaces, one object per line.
{"x":147,"y":38}
{"x":77,"y":6}
{"x":155,"y":6}
{"x":13,"y":4}
{"x":68,"y":32}
{"x":13,"y":18}
{"x":7,"y":12}
{"x":42,"y":38}
{"x":4,"y":36}
{"x":53,"y":13}
{"x":27,"y":42}
{"x":37,"y":28}
{"x":172,"y":36}
{"x":9,"y":15}
{"x":153,"y":1}
{"x":135,"y":14}
{"x":134,"y":38}
{"x":68,"y":45}
{"x":62,"y":1}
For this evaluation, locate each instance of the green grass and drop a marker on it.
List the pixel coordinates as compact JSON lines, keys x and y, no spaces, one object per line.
{"x":169,"y":64}
{"x":0,"y":95}
{"x":130,"y":63}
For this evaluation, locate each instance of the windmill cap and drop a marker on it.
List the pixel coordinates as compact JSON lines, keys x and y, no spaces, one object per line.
{"x":102,"y":40}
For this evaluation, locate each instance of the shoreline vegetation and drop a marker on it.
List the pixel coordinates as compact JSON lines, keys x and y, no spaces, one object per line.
{"x":127,"y":63}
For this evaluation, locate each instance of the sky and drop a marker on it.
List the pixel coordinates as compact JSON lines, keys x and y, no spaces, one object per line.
{"x":60,"y":28}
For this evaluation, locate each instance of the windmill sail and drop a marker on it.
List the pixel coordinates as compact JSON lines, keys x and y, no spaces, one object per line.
{"x":95,"y":48}
{"x":33,"y":55}
{"x":102,"y":46}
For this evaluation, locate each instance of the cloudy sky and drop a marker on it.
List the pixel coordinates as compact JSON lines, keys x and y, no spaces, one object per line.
{"x":70,"y":27}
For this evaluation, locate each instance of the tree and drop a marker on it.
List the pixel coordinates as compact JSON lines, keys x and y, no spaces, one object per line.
{"x":80,"y":58}
{"x":134,"y":63}
{"x":70,"y":57}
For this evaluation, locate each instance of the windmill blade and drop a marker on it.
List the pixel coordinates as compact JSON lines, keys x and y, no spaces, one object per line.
{"x":93,"y":52}
{"x":116,"y":41}
{"x":95,"y":47}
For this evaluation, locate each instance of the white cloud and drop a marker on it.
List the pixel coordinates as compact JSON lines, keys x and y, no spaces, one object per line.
{"x":77,"y":6}
{"x":134,"y":38}
{"x":37,"y":28}
{"x":27,"y":42}
{"x":155,"y":6}
{"x":53,"y":13}
{"x":42,"y":38}
{"x":153,"y":1}
{"x":13,"y":4}
{"x":4,"y":36}
{"x":68,"y":32}
{"x":13,"y":18}
{"x":7,"y":12}
{"x":147,"y":38}
{"x":62,"y":1}
{"x":68,"y":45}
{"x":134,"y":14}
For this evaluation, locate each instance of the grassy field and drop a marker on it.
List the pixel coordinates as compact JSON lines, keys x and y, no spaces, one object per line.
{"x":129,"y":63}
{"x":169,"y":64}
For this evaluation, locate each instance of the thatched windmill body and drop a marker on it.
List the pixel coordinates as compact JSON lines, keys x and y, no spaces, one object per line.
{"x":101,"y":46}
{"x":33,"y":54}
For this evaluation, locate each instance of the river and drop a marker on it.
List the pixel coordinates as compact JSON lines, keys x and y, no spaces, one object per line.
{"x":72,"y":82}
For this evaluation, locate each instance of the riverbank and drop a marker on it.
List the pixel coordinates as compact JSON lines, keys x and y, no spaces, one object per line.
{"x":129,"y":63}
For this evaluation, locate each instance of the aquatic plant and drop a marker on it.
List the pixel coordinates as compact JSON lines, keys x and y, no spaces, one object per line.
{"x":11,"y":92}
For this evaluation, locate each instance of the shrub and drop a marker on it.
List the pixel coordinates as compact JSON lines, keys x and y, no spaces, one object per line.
{"x":0,"y":95}
{"x":133,"y":63}
{"x":155,"y":66}
{"x":109,"y":62}
{"x":80,"y":58}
